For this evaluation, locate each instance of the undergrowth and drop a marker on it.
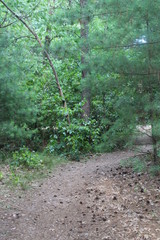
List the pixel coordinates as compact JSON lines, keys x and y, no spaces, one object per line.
{"x":24,"y":167}
{"x":142,"y":164}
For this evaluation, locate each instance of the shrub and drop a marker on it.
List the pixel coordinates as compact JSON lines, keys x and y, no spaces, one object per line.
{"x":24,"y":157}
{"x":74,"y":139}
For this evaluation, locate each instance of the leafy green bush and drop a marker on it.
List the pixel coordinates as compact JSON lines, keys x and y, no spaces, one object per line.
{"x":74,"y":139}
{"x":24,"y":157}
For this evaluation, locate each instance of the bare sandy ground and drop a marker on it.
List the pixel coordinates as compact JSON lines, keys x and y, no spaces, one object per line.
{"x":93,"y":200}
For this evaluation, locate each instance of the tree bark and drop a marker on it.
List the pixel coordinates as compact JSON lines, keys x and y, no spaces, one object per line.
{"x":46,"y":55}
{"x":70,"y":3}
{"x":155,"y":150}
{"x":152,"y":113}
{"x":84,"y":53}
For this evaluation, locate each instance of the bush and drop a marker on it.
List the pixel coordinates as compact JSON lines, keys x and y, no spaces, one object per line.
{"x":24,"y":157}
{"x":74,"y":139}
{"x":117,"y":137}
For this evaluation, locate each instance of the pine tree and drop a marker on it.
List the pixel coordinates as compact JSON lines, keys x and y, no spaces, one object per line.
{"x":16,"y":109}
{"x":131,"y":52}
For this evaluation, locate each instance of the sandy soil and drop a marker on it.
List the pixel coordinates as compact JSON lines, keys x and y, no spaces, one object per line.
{"x":93,"y":200}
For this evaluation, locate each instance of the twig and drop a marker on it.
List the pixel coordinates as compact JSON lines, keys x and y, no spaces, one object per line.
{"x":4,"y":20}
{"x":7,"y":25}
{"x":21,"y":37}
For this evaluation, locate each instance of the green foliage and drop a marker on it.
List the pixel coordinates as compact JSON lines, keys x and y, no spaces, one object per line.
{"x":15,"y":179}
{"x":137,"y":164}
{"x":119,"y":123}
{"x":24,"y":176}
{"x":74,"y":139}
{"x":24,"y":157}
{"x":122,"y":63}
{"x":16,"y":107}
{"x":3,"y":156}
{"x":1,"y":176}
{"x":140,"y":165}
{"x":155,"y":170}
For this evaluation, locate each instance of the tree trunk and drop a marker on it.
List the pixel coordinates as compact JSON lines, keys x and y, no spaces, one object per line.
{"x":152,"y":113}
{"x":155,"y":149}
{"x":70,"y":3}
{"x":46,"y":44}
{"x":84,"y":53}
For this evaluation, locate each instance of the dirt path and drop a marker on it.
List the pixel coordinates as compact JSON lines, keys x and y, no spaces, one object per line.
{"x":96,"y":200}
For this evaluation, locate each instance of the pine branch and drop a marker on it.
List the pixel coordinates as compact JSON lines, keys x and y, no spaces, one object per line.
{"x":133,"y":45}
{"x":132,"y":73}
{"x":135,"y":74}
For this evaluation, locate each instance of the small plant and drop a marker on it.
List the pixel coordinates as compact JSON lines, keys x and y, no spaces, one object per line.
{"x":14,"y":179}
{"x":17,"y":179}
{"x":1,"y":176}
{"x":155,"y":170}
{"x":3,"y":156}
{"x":137,"y":164}
{"x":126,"y":162}
{"x":24,"y":157}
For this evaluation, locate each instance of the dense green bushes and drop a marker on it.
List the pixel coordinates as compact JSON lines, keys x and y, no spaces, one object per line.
{"x":111,"y":61}
{"x":16,"y":101}
{"x":75,"y":139}
{"x":25,"y":157}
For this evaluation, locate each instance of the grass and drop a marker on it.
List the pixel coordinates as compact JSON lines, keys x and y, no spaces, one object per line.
{"x":23,"y":177}
{"x":137,"y":164}
{"x":154,"y":170}
{"x":140,"y":164}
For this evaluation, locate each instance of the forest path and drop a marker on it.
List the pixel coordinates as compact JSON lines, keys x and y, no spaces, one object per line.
{"x":93,"y":200}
